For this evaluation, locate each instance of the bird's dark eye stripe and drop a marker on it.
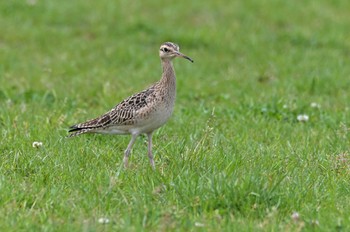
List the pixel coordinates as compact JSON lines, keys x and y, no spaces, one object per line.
{"x":165,"y":49}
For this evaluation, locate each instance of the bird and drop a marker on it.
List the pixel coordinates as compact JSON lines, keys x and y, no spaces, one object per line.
{"x":143,"y":112}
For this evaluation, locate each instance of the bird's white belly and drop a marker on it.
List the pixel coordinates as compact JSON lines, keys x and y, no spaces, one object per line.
{"x":153,"y":121}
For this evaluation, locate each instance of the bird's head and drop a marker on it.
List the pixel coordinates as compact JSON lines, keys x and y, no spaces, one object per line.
{"x":169,"y":50}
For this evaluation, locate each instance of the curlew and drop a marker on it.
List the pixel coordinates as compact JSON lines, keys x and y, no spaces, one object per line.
{"x":143,"y":112}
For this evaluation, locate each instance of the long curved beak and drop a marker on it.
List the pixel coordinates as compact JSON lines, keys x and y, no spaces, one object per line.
{"x":183,"y":56}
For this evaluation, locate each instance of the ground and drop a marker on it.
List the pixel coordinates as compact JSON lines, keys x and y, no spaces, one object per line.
{"x":260,"y":136}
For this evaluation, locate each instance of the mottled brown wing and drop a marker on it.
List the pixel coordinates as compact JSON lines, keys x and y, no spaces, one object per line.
{"x":119,"y":115}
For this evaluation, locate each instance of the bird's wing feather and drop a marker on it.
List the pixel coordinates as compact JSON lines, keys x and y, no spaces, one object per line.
{"x":121,"y":114}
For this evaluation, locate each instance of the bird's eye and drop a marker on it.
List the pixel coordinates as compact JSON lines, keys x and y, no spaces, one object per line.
{"x":166,"y":50}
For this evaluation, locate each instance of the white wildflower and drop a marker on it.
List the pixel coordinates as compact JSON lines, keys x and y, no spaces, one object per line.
{"x":315,"y":105}
{"x":295,"y":216}
{"x":315,"y":222}
{"x":198,"y":224}
{"x":303,"y":118}
{"x":103,"y":220}
{"x":37,"y":144}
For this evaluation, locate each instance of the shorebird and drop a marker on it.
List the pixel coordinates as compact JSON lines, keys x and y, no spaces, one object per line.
{"x":143,"y":112}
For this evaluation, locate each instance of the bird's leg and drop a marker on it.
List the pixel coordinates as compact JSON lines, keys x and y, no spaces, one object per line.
{"x":150,"y":155}
{"x":128,"y":149}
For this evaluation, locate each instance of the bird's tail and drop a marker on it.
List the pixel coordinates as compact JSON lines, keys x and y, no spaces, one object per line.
{"x":75,"y":130}
{"x":90,"y":125}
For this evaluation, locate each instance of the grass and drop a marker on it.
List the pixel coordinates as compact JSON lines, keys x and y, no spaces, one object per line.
{"x":232,"y":158}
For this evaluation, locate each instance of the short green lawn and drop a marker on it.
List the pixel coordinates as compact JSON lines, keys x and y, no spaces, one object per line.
{"x":234,"y":156}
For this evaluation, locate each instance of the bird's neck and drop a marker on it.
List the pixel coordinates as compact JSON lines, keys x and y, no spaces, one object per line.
{"x":168,"y":76}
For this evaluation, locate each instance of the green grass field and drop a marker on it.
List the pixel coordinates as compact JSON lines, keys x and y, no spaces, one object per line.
{"x":233,"y":157}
